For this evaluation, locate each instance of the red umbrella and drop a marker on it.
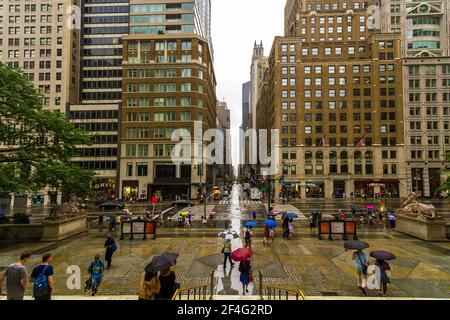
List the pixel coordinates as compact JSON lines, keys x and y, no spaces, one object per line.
{"x":241,"y":254}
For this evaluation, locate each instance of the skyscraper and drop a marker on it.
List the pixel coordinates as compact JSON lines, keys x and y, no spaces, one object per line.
{"x":42,"y":38}
{"x":168,"y":84}
{"x":424,"y":27}
{"x":333,"y":90}
{"x":104,"y":23}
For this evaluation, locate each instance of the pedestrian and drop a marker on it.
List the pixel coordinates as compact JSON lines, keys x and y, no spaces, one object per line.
{"x":111,"y":247}
{"x":118,"y":218}
{"x":266,"y":235}
{"x":204,"y":222}
{"x":312,"y":221}
{"x":382,"y":275}
{"x":392,"y":220}
{"x":342,"y":215}
{"x":42,"y":277}
{"x":16,"y":278}
{"x":291,"y":227}
{"x":187,"y":224}
{"x":272,"y":235}
{"x":226,"y":250}
{"x":248,"y":235}
{"x":245,"y":269}
{"x":150,"y":286}
{"x":96,"y":270}
{"x":254,"y":215}
{"x":168,"y":285}
{"x":100,"y":223}
{"x":180,"y":221}
{"x":285,"y":224}
{"x":361,"y":264}
{"x":112,"y":223}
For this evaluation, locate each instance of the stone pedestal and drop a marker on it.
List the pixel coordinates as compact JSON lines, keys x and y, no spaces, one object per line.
{"x":422,"y":227}
{"x":63,"y":229}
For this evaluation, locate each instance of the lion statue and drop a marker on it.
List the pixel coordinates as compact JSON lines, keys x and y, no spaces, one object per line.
{"x":413,"y":206}
{"x":66,"y":210}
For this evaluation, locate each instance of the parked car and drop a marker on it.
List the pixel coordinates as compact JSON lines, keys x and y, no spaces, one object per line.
{"x":111,"y":205}
{"x":182,"y":204}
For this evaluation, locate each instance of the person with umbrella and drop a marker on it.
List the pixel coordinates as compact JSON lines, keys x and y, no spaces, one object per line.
{"x":150,"y":286}
{"x":266,"y":235}
{"x":243,"y":255}
{"x":164,"y":264}
{"x":361,"y":261}
{"x":382,"y":269}
{"x":226,"y":250}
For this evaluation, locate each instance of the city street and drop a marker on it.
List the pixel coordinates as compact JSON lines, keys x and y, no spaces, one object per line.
{"x":319,"y":268}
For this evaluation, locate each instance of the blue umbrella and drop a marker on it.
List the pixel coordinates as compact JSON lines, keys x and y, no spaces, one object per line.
{"x":250,"y":224}
{"x":271,"y":223}
{"x":292,"y":215}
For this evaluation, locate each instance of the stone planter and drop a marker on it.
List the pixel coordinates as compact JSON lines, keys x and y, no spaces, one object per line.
{"x":422,"y":228}
{"x":63,"y":229}
{"x":22,"y":232}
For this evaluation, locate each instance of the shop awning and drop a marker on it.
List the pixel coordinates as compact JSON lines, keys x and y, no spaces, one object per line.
{"x":378,"y":181}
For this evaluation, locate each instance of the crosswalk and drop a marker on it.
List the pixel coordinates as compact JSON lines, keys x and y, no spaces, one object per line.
{"x":241,"y":202}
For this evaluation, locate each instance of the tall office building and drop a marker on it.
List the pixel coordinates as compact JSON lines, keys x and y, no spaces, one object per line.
{"x":41,"y":38}
{"x":168,"y":83}
{"x":333,"y":90}
{"x":224,"y":123}
{"x":104,"y":23}
{"x":425,"y":30}
{"x":245,"y":105}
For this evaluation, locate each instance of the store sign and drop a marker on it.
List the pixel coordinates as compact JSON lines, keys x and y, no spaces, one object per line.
{"x":104,"y":185}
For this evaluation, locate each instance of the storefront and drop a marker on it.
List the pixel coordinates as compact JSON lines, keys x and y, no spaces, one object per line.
{"x":130,"y":190}
{"x":169,"y":192}
{"x":377,"y":188}
{"x":104,"y":189}
{"x":291,"y":190}
{"x":339,"y":189}
{"x":315,"y":189}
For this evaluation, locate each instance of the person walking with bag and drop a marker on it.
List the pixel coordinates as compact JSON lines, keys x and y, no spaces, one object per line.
{"x":95,"y":270}
{"x":150,"y":286}
{"x":361,"y":261}
{"x":382,"y":274}
{"x":226,"y":250}
{"x":291,"y":228}
{"x":246,"y":277}
{"x":42,"y":277}
{"x":111,"y":247}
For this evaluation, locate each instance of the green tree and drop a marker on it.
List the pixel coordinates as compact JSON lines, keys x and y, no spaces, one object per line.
{"x":36,"y":145}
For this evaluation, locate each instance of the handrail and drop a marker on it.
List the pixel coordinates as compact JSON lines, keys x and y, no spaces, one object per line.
{"x":272,"y":291}
{"x":281,"y":293}
{"x":199,"y":292}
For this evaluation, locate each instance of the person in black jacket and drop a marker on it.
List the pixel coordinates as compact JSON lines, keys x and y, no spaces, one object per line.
{"x":109,"y":244}
{"x":168,"y":285}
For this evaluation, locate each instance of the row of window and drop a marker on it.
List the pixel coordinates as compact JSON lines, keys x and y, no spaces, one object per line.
{"x":165,"y":73}
{"x":164,"y":102}
{"x":333,"y":142}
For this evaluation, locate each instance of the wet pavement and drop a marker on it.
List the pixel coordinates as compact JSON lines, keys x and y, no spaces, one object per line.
{"x":319,"y":268}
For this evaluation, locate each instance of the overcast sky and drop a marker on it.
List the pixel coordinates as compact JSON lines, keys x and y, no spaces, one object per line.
{"x":236,"y":24}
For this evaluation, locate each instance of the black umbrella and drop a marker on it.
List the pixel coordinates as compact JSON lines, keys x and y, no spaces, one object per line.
{"x":356,"y":245}
{"x":172,"y":257}
{"x":383,"y":255}
{"x":158,"y":263}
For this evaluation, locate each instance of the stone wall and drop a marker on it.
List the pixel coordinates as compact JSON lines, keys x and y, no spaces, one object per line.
{"x":26,"y":232}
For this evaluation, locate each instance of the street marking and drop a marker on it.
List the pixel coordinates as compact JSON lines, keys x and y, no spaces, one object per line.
{"x":236,"y":203}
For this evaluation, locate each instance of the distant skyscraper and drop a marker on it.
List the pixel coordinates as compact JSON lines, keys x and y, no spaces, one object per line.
{"x":245,"y":104}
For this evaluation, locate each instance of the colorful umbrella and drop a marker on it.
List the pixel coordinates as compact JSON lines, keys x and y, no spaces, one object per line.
{"x":159,"y":263}
{"x":250,"y":224}
{"x":228,"y":234}
{"x":383,"y":255}
{"x":270,"y":223}
{"x":242,"y":254}
{"x":184,"y":213}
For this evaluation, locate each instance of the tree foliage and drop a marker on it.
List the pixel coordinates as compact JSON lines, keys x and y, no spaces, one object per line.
{"x":36,"y":145}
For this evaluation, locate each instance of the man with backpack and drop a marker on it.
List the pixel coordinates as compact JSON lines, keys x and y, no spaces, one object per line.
{"x":95,"y":270}
{"x":43,"y":280}
{"x":16,"y":278}
{"x":248,"y":235}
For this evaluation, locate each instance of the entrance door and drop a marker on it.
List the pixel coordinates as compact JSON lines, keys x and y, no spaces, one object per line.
{"x":20,"y":201}
{"x":339,"y":189}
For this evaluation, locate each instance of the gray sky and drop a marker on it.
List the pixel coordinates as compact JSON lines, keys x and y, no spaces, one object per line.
{"x":236,"y":24}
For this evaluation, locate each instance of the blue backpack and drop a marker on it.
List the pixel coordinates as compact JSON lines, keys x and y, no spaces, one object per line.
{"x":41,"y":284}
